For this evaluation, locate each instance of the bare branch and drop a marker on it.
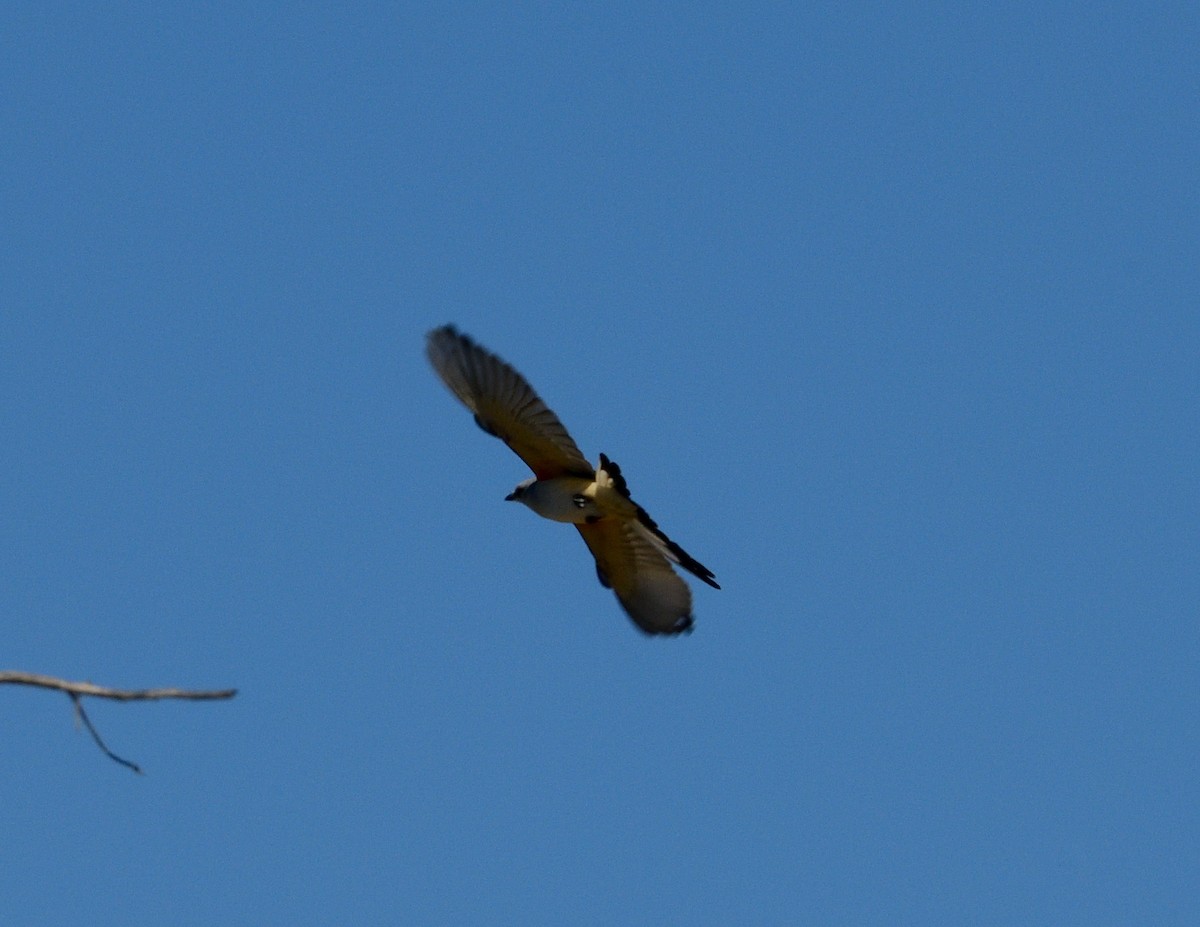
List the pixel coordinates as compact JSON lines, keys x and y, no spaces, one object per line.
{"x":77,"y":690}
{"x":16,"y":677}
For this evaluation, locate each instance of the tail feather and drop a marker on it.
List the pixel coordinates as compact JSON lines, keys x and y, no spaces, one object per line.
{"x":657,"y":536}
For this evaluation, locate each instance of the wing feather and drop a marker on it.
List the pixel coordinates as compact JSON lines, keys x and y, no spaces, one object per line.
{"x":504,"y":404}
{"x":652,"y":594}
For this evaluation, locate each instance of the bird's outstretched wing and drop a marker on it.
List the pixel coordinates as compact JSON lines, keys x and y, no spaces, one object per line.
{"x":504,"y":404}
{"x":629,"y":563}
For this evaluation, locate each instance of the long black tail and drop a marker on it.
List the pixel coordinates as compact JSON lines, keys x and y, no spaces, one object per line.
{"x":672,"y":550}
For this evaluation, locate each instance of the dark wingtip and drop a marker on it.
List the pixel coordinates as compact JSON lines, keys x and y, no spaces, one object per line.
{"x":683,"y":626}
{"x":451,"y":330}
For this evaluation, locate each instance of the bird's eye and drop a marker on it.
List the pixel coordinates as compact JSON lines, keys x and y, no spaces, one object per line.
{"x":580,"y":500}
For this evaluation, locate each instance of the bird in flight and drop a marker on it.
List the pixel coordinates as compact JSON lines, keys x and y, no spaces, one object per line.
{"x":633,"y":555}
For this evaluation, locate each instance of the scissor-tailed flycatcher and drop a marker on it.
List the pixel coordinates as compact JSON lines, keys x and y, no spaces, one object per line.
{"x":633,"y":557}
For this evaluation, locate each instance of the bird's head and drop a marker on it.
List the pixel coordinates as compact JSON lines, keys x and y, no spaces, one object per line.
{"x":516,"y":494}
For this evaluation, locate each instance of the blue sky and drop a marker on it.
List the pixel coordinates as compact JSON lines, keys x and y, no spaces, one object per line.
{"x":889,"y":314}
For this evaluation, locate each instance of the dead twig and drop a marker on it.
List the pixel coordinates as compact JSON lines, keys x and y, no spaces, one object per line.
{"x":77,"y":690}
{"x":17,"y":677}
